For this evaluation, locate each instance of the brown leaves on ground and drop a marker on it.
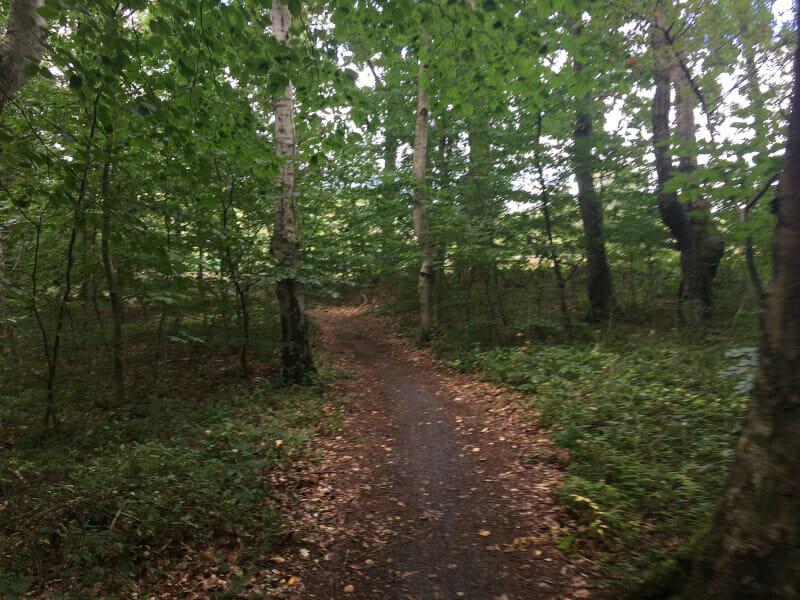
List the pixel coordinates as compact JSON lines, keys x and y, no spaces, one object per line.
{"x":347,"y":522}
{"x":360,"y":511}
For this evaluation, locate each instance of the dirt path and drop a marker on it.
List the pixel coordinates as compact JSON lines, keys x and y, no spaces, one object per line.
{"x":430,"y":491}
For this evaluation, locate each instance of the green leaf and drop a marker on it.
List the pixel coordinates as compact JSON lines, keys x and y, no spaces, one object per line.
{"x":676,"y":183}
{"x":159,"y":26}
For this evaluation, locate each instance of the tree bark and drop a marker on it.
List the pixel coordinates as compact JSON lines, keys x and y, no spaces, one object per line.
{"x":690,"y":222}
{"x":752,"y":549}
{"x":599,"y":284}
{"x":298,"y":364}
{"x":22,"y":45}
{"x":422,"y":229}
{"x":545,"y":197}
{"x":117,"y":372}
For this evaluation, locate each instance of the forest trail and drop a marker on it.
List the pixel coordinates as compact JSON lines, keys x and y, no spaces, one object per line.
{"x":436,"y":488}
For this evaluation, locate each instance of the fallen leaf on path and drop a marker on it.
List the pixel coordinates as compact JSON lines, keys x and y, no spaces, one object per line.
{"x":485,"y":532}
{"x":349,"y":589}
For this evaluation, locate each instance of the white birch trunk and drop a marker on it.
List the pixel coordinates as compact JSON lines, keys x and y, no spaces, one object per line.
{"x":298,"y":366}
{"x":422,"y":229}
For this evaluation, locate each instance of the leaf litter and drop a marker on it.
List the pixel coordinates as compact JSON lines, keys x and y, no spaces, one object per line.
{"x":428,"y":466}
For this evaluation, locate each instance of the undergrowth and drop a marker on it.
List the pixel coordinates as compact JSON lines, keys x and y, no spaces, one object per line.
{"x":650,"y":423}
{"x":109,"y":497}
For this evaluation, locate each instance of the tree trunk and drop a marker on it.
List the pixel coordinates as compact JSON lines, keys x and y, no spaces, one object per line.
{"x":298,"y":365}
{"x":690,"y":222}
{"x":117,"y":373}
{"x":760,"y":127}
{"x":22,"y":45}
{"x":600,"y":286}
{"x":422,"y":229}
{"x":545,"y":198}
{"x":752,"y":549}
{"x":389,"y":154}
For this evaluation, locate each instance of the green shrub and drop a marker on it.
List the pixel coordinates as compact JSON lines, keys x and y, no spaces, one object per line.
{"x":104,"y":498}
{"x":650,"y":426}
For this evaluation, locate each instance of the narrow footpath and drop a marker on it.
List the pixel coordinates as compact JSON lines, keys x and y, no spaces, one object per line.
{"x":436,"y":487}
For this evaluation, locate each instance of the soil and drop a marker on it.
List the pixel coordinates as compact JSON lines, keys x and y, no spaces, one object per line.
{"x":436,"y":487}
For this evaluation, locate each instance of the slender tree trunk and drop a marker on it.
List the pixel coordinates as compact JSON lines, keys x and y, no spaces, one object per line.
{"x":562,"y":286}
{"x":752,"y":550}
{"x":600,"y":286}
{"x":117,"y":372}
{"x":750,"y":259}
{"x":760,"y":127}
{"x":22,"y":45}
{"x":422,"y":229}
{"x":298,"y":365}
{"x":389,"y":154}
{"x":690,"y":222}
{"x":241,"y":294}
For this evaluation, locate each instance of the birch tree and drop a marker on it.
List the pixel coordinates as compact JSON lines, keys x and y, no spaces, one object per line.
{"x":422,"y":229}
{"x":298,"y":365}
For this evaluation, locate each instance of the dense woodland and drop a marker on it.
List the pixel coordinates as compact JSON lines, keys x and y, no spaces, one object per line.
{"x":577,"y":199}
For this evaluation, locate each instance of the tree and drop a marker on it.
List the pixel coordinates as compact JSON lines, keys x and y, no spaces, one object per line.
{"x":690,"y":221}
{"x":599,"y":283}
{"x":752,"y":549}
{"x":298,"y":364}
{"x":422,"y":229}
{"x":22,"y":46}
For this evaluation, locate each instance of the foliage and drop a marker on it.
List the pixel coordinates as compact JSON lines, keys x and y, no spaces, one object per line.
{"x":112,"y":496}
{"x":650,"y":427}
{"x":138,"y":163}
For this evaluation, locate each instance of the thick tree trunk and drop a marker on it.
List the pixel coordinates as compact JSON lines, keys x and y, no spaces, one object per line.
{"x":691,"y":223}
{"x":600,"y":286}
{"x":752,"y":550}
{"x":22,"y":45}
{"x":754,"y":542}
{"x":298,"y":365}
{"x":422,"y":229}
{"x":117,"y":373}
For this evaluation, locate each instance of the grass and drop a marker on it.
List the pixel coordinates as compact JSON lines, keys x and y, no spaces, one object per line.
{"x":650,"y":422}
{"x":111,"y":497}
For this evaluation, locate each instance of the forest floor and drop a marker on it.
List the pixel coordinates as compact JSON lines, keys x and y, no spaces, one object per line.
{"x":436,"y":487}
